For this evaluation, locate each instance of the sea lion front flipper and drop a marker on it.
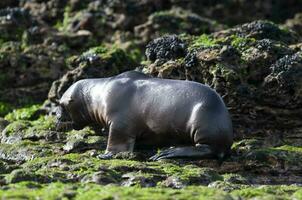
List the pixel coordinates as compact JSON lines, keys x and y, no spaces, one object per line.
{"x":120,"y":139}
{"x":200,"y":151}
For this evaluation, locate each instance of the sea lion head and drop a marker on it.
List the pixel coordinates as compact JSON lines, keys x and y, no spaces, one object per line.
{"x":63,"y":119}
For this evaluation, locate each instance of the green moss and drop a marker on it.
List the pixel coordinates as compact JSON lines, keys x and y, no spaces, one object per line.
{"x":44,"y":123}
{"x":230,"y":75}
{"x":25,"y":150}
{"x":203,"y":41}
{"x":288,"y":154}
{"x":290,"y":148}
{"x":114,"y":56}
{"x":240,"y":42}
{"x":297,"y":194}
{"x":63,"y":25}
{"x":59,"y":190}
{"x":25,"y":113}
{"x":267,"y":192}
{"x":16,"y":127}
{"x":187,"y":173}
{"x":30,"y":190}
{"x":247,"y":144}
{"x":109,"y":192}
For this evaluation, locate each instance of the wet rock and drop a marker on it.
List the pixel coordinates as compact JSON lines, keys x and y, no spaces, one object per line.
{"x":284,"y":83}
{"x":3,"y":124}
{"x":207,"y":176}
{"x":27,"y":130}
{"x":14,"y":132}
{"x":103,"y":177}
{"x":260,"y":30}
{"x":166,"y":47}
{"x":170,"y":69}
{"x":225,"y":186}
{"x":174,"y":182}
{"x":125,"y":15}
{"x":25,"y":150}
{"x":130,"y":156}
{"x":19,"y":175}
{"x":138,"y":179}
{"x":54,"y":136}
{"x":295,"y":23}
{"x":34,"y":68}
{"x":6,"y":167}
{"x":83,"y":140}
{"x":78,"y":144}
{"x":13,"y":21}
{"x":175,"y":21}
{"x":47,"y":11}
{"x":235,"y":179}
{"x":230,"y":12}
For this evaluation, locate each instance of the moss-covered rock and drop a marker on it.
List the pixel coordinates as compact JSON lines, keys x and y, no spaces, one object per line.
{"x":27,"y":113}
{"x":260,"y":30}
{"x":19,"y":175}
{"x":175,"y":21}
{"x":13,"y":21}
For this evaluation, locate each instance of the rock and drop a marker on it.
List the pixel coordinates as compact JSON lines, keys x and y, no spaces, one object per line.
{"x":260,"y":30}
{"x":83,"y":140}
{"x":22,"y":129}
{"x":3,"y":124}
{"x":6,"y":167}
{"x":49,"y":11}
{"x":235,"y":179}
{"x":137,"y":179}
{"x":130,"y":156}
{"x":10,"y":18}
{"x":103,"y":177}
{"x":14,"y":132}
{"x":173,"y":182}
{"x":230,"y":12}
{"x":284,"y":83}
{"x":295,"y":23}
{"x":32,"y":67}
{"x":225,"y":186}
{"x":25,"y":150}
{"x":166,"y":47}
{"x":175,"y":21}
{"x":19,"y":175}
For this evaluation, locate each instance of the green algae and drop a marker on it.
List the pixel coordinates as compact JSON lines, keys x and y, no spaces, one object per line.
{"x":290,"y":148}
{"x":25,"y":129}
{"x":241,"y":43}
{"x":203,"y":40}
{"x":267,"y":192}
{"x":59,"y":190}
{"x":26,"y":113}
{"x":63,"y":25}
{"x":91,"y":191}
{"x":113,"y":55}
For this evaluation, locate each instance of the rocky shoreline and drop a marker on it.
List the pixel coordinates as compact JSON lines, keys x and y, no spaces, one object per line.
{"x":256,"y":65}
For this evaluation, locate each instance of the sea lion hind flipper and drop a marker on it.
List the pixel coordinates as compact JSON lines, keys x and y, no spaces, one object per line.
{"x":197,"y":152}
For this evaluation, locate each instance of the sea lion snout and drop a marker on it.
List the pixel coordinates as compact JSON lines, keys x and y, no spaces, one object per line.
{"x":63,"y":120}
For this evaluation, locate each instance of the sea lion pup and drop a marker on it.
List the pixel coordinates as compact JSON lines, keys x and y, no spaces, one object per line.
{"x":138,"y":109}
